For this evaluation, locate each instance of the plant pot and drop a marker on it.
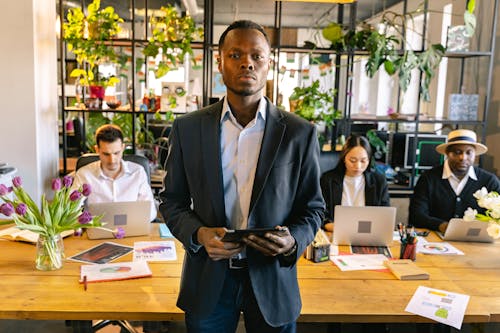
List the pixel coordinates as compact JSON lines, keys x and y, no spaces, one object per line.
{"x":97,"y":92}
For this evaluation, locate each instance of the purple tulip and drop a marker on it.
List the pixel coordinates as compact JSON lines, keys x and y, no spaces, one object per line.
{"x":120,"y":233}
{"x":17,"y":182}
{"x":86,"y":189}
{"x":56,"y":184}
{"x":21,"y":209}
{"x":3,"y":189}
{"x":75,"y":195}
{"x":67,"y":181}
{"x":7,"y":209}
{"x":85,"y":217}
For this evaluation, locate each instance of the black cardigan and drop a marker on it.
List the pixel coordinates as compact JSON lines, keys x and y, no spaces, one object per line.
{"x":376,"y":191}
{"x":434,"y":201}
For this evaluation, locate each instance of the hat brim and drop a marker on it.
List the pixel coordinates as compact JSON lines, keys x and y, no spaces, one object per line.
{"x":480,"y":148}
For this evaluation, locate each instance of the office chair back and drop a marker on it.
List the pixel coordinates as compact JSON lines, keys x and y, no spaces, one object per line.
{"x":139,"y":159}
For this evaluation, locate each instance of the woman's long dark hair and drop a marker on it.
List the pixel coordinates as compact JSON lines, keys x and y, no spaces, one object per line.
{"x":351,"y":142}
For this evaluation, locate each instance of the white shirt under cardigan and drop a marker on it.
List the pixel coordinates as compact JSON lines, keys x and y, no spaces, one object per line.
{"x":457,"y":184}
{"x":131,"y":184}
{"x":353,"y":191}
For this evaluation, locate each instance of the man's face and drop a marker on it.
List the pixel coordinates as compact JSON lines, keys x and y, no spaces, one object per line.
{"x":460,"y":158}
{"x":110,"y":154}
{"x":244,"y":62}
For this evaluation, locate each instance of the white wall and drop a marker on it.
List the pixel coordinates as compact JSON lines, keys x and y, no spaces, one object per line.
{"x":28,"y":91}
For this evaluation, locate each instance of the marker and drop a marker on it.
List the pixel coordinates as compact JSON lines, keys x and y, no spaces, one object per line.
{"x":342,"y":262}
{"x":85,"y":282}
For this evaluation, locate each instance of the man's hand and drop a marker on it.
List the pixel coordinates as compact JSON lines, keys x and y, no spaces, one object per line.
{"x":272,"y":243}
{"x":210,"y":238}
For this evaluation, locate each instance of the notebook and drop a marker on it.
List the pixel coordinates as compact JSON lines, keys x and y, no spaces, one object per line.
{"x":466,"y":231}
{"x":132,"y":216}
{"x":366,"y":226}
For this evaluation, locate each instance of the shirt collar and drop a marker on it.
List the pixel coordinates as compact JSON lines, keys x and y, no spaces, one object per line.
{"x":125,"y":169}
{"x":447,"y":173}
{"x":226,"y":113}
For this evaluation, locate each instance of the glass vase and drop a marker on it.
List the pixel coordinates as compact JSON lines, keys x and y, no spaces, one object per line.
{"x":49,"y":252}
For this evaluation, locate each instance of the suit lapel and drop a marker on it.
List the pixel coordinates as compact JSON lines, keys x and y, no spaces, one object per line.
{"x":273,"y":135}
{"x":210,"y":138}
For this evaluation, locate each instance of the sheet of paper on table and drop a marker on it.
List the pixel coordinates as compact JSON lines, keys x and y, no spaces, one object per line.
{"x":439,"y":305}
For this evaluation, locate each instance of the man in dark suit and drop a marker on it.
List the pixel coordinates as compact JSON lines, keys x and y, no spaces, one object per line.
{"x":242,"y":164}
{"x":446,"y":191}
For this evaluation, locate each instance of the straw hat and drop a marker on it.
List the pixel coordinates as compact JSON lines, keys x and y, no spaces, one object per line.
{"x":462,"y":137}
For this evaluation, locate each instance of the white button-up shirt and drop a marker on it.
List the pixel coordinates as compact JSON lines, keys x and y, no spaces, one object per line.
{"x":457,"y":184}
{"x":131,"y":184}
{"x":240,"y":148}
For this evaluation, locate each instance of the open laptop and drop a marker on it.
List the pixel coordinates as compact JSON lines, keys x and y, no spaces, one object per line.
{"x":466,"y":231}
{"x":132,"y":216}
{"x":365,"y":226}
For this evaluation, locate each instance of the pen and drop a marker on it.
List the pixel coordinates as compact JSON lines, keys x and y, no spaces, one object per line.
{"x":85,"y":282}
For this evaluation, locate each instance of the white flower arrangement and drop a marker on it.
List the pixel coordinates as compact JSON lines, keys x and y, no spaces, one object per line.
{"x":491,"y":202}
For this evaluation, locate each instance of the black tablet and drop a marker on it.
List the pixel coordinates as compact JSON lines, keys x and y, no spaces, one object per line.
{"x":235,"y":236}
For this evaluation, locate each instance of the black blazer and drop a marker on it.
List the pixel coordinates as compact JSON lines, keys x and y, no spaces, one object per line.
{"x":434,"y":201}
{"x":286,"y":191}
{"x":376,"y":190}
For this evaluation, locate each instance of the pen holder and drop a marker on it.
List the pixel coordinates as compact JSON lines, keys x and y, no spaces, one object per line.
{"x":408,"y":251}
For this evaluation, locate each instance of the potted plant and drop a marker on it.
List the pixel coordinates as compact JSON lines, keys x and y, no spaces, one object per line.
{"x":316,"y":106}
{"x":172,"y":35}
{"x":90,"y":37}
{"x":385,"y":49}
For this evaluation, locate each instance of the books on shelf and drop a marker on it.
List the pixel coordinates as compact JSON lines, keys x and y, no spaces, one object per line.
{"x":406,"y":269}
{"x":16,"y":234}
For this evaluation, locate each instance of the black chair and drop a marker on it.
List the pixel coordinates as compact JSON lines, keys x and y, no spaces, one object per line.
{"x":328,"y":160}
{"x":76,"y":142}
{"x":139,"y":159}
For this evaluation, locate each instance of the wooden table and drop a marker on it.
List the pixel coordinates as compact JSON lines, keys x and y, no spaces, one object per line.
{"x":328,"y":294}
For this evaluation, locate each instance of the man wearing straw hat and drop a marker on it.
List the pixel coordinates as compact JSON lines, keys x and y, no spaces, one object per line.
{"x":446,"y":191}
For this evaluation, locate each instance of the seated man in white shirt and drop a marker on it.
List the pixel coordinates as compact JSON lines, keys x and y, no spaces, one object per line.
{"x":112,"y":178}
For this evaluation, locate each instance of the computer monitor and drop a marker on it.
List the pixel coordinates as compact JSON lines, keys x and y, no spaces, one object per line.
{"x":424,"y":150}
{"x":396,"y":150}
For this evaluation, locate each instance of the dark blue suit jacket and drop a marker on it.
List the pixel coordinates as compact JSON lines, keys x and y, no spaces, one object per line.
{"x":286,"y":191}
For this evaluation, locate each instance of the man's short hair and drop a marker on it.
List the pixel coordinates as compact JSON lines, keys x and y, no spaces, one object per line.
{"x":243,"y":24}
{"x":108,"y":133}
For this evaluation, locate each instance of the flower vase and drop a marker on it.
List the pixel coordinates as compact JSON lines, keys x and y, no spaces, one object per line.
{"x":49,"y":252}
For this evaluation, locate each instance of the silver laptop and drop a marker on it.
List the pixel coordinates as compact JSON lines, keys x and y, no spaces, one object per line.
{"x":466,"y":231}
{"x":365,"y":226}
{"x":132,"y":216}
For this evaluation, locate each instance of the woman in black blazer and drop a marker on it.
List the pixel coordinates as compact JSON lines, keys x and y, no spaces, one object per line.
{"x":352,"y":183}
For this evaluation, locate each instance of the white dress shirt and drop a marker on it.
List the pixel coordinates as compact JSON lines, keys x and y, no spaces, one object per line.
{"x":131,"y":184}
{"x":240,"y":148}
{"x":457,"y":184}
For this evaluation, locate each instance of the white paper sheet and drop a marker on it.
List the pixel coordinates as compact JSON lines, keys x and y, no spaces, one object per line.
{"x":355,"y":262}
{"x":442,"y":248}
{"x":155,"y":251}
{"x":439,"y":305}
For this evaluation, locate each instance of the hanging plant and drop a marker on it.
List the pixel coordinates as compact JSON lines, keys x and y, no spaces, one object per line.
{"x":172,"y":35}
{"x":90,"y":37}
{"x":384,"y":49}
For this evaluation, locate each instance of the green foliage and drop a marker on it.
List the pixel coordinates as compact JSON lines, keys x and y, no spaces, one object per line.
{"x":124,"y":121}
{"x":315,"y":105}
{"x":89,"y":37}
{"x":386,"y":49}
{"x":172,"y":34}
